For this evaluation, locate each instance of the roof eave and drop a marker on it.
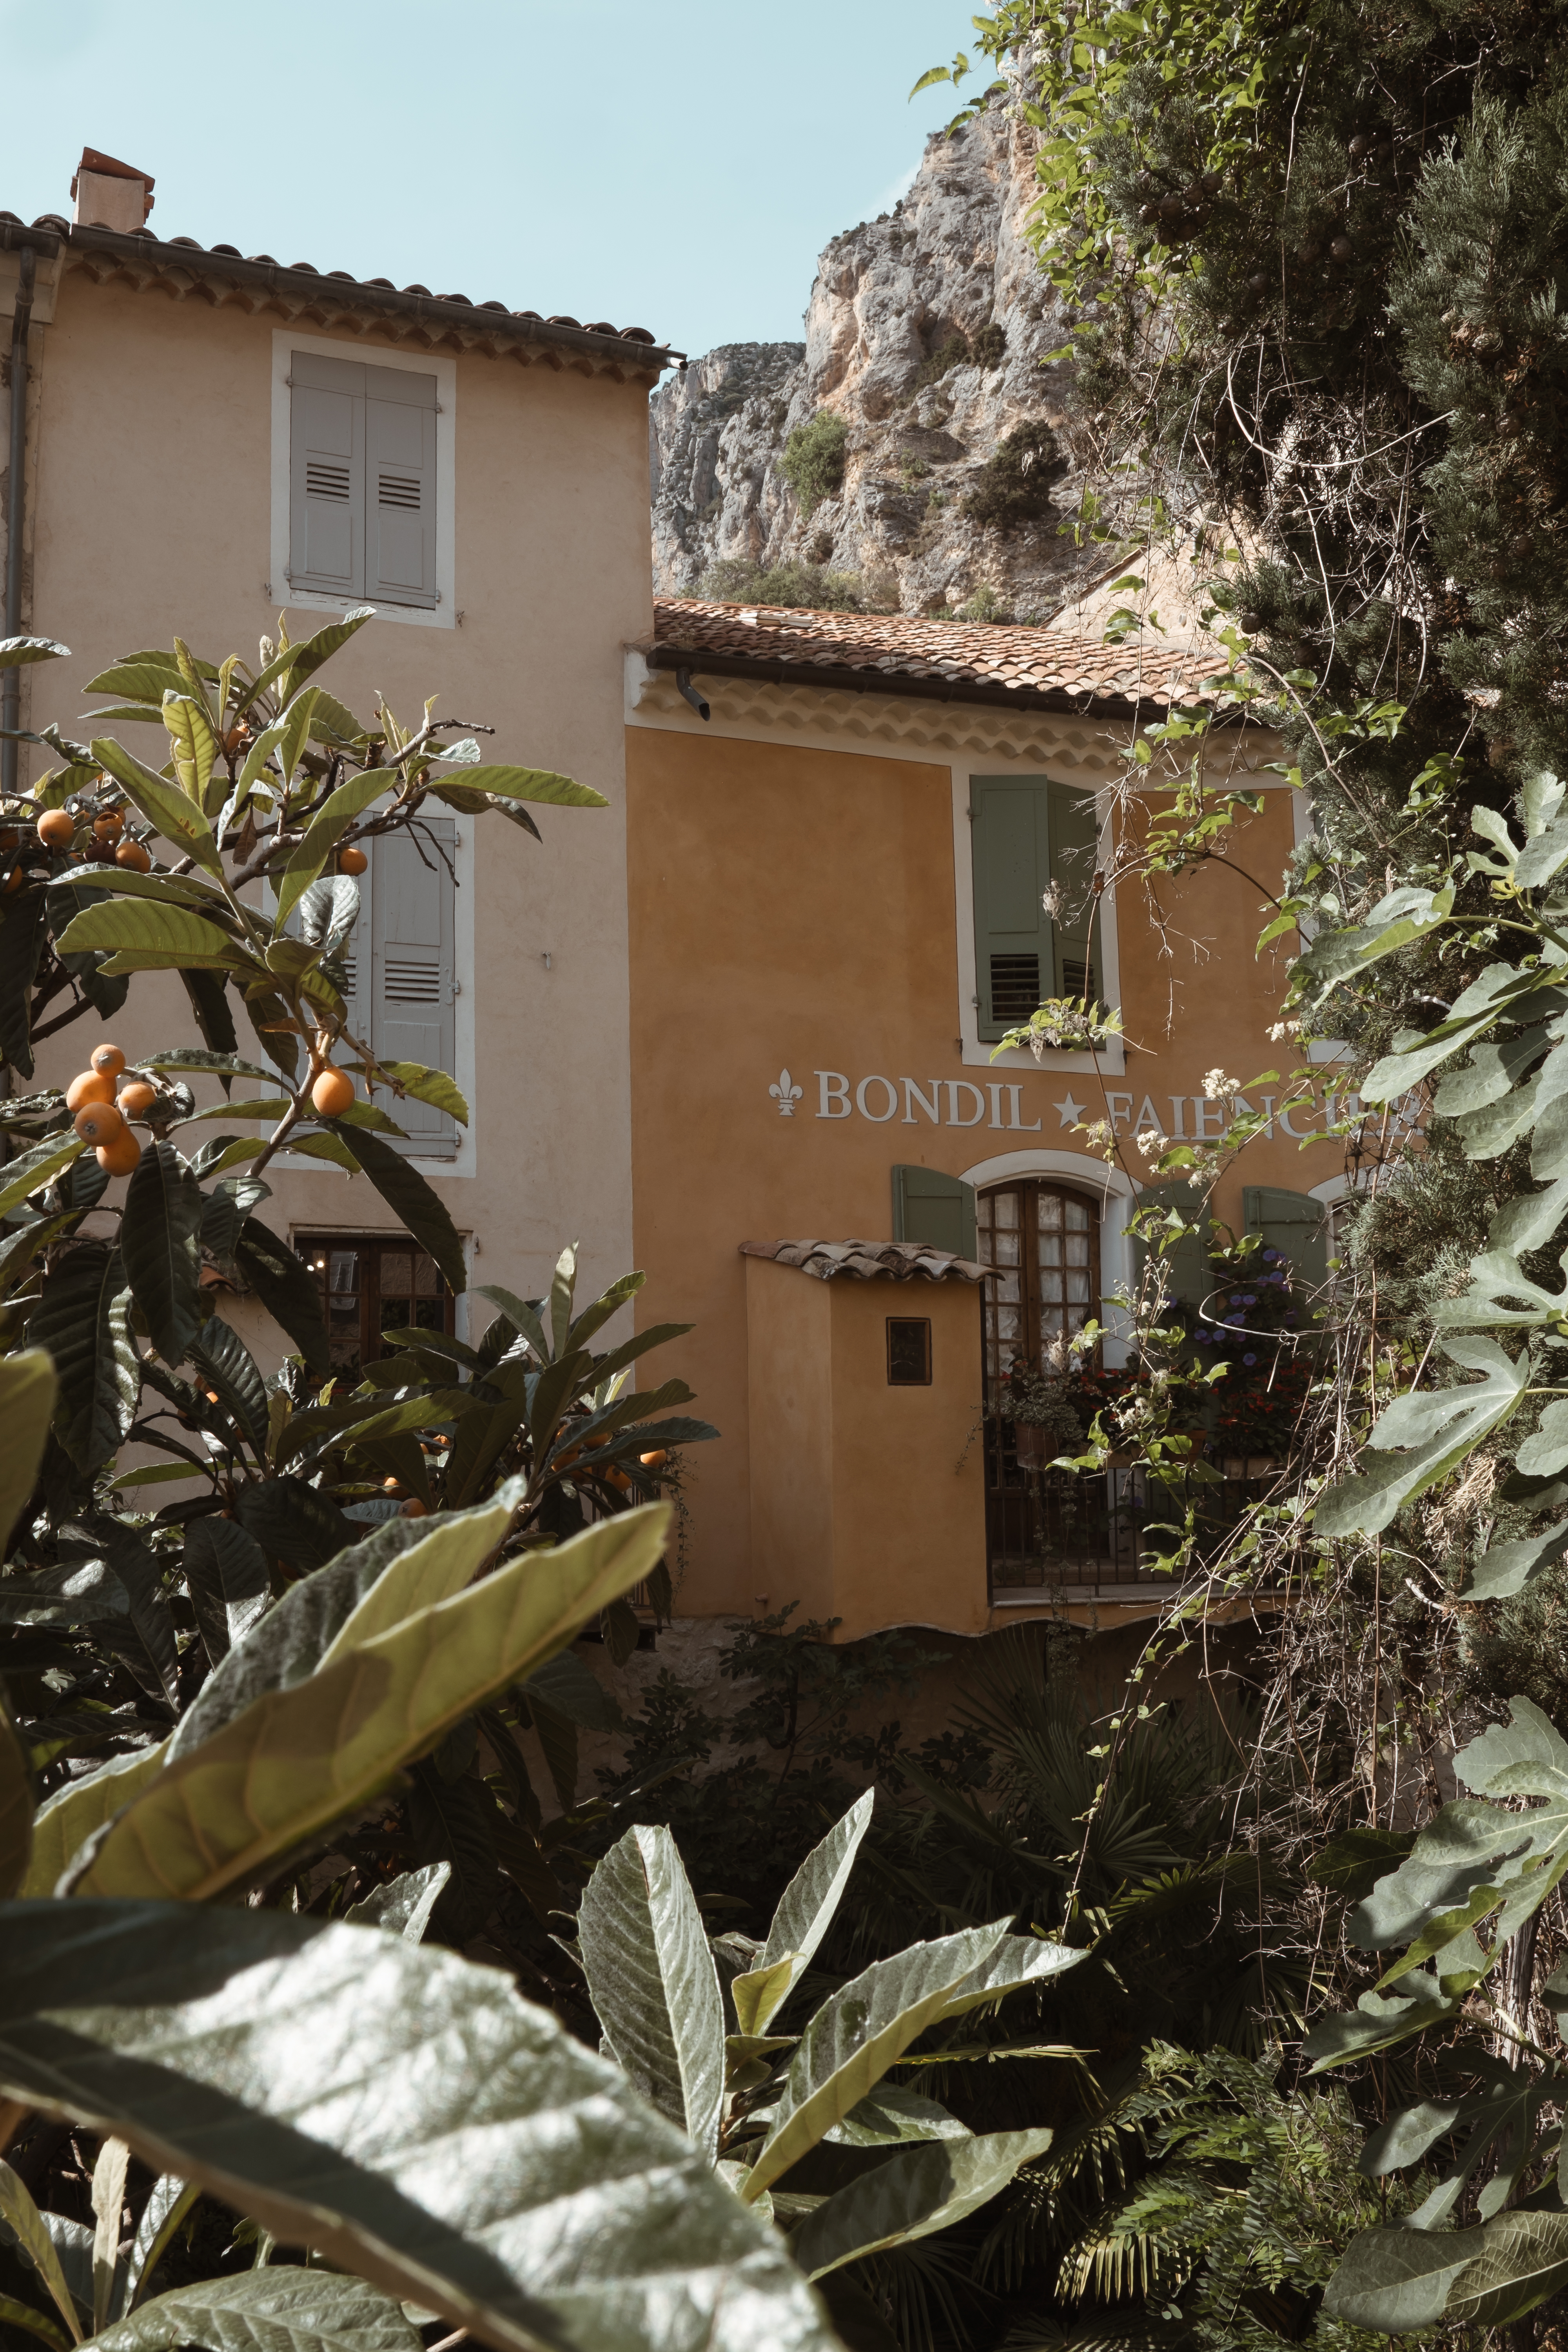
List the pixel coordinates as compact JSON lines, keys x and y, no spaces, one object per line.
{"x":147,"y":257}
{"x":925,"y":690}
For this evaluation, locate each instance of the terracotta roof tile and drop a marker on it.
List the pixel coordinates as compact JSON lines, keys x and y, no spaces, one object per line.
{"x":870,"y":1261}
{"x":1015,"y":660}
{"x":258,"y":276}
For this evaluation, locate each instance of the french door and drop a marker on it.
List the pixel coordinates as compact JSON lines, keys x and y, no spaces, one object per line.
{"x":1043,"y":1240}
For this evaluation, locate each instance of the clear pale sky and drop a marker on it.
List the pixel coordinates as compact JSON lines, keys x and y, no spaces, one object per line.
{"x":675,"y":164}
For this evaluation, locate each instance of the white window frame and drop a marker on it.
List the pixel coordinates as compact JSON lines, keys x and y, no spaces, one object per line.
{"x":1110,"y":1060}
{"x":443,"y":613}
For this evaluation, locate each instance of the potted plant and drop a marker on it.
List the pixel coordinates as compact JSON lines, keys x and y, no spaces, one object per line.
{"x":1036,"y":1404}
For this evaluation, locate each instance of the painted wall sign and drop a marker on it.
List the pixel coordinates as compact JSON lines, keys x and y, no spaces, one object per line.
{"x":998,"y":1103}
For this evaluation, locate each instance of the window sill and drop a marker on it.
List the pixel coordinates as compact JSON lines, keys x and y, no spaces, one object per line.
{"x":316,"y":600}
{"x":1109,"y":1061}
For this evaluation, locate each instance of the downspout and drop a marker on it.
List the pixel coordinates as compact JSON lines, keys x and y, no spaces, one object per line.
{"x":15,"y":509}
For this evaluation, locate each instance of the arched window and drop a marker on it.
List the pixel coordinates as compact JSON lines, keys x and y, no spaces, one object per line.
{"x":1045,"y":1238}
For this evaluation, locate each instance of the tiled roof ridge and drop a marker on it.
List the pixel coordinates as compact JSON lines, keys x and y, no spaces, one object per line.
{"x":303,"y":277}
{"x":1007,"y":656}
{"x":870,"y":1261}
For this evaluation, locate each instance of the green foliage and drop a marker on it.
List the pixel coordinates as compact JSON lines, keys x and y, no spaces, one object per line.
{"x":1096,"y":83}
{"x":985,"y":605}
{"x":320,"y":1669}
{"x":813,"y":460}
{"x":181,"y":2033}
{"x":800,"y":586}
{"x":760,"y":2103}
{"x":1249,"y":2188}
{"x":1320,"y":253}
{"x":1481,"y":1867}
{"x":793,"y":1751}
{"x":1073,"y":1022}
{"x":986,"y":348}
{"x":228,"y":2047}
{"x":241,"y":780}
{"x":1014,"y":484}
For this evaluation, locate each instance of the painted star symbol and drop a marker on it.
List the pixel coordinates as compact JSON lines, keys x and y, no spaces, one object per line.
{"x":1068,"y":1111}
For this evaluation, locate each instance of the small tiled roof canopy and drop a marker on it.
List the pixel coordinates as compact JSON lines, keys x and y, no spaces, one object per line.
{"x":960,"y":661}
{"x":870,"y":1261}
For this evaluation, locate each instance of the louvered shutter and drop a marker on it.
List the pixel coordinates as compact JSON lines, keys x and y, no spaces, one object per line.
{"x":400,"y":486}
{"x":326,"y":474}
{"x":934,"y":1209}
{"x":1295,"y":1224}
{"x":413,"y":1013}
{"x":1074,"y":854}
{"x":1011,"y":856}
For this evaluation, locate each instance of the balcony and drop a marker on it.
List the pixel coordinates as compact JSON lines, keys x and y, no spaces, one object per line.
{"x":1076,"y":1541}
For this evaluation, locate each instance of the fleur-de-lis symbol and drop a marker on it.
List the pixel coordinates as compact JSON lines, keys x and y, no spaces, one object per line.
{"x":786,"y":1095}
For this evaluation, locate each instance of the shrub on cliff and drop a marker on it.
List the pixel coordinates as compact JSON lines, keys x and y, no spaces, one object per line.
{"x":1014,"y":484}
{"x":806,"y":587}
{"x":813,"y":461}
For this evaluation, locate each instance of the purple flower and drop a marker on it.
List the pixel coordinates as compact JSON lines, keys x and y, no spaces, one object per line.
{"x":1249,"y":1359}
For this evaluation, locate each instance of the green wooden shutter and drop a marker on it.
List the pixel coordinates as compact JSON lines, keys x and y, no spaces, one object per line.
{"x":326,"y":474}
{"x":400,"y":486}
{"x":934,"y":1209}
{"x":1011,"y":866}
{"x":1026,"y":833}
{"x":1293,"y":1222}
{"x":1075,"y":853}
{"x":1187,"y":1264}
{"x":412,"y":981}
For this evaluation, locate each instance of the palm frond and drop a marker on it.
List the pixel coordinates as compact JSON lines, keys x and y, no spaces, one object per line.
{"x":916,"y":2283}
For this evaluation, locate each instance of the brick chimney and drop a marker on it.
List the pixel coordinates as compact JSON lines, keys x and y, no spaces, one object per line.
{"x":109,"y":193}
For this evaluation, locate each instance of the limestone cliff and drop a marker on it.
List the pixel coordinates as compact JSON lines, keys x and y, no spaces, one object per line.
{"x":925,"y":335}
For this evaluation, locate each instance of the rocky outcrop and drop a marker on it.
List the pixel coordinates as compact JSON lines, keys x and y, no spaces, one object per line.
{"x":927,"y":335}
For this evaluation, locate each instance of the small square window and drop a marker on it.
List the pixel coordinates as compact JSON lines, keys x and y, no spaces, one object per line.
{"x":909,"y":1352}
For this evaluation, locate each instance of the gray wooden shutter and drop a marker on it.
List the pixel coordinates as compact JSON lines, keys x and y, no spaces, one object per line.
{"x":934,"y":1209}
{"x":1011,"y":858}
{"x":1074,"y":854}
{"x":400,"y":486}
{"x":326,"y":474}
{"x":1294,"y":1223}
{"x":413,"y":1012}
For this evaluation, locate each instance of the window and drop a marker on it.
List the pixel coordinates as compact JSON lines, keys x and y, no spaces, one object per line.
{"x":372,"y":1286}
{"x":909,"y":1352}
{"x":402,"y":987}
{"x":362,"y":480}
{"x":1029,"y":834}
{"x":1044,"y":1241}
